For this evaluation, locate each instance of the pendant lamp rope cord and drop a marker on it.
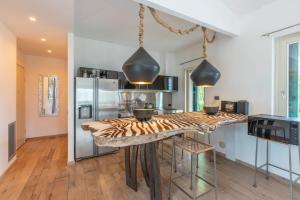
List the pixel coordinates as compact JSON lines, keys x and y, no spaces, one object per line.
{"x":141,"y":25}
{"x":206,"y":40}
{"x":169,"y":27}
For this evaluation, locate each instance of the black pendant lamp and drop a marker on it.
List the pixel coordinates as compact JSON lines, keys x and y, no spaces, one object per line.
{"x":205,"y":74}
{"x":141,"y":68}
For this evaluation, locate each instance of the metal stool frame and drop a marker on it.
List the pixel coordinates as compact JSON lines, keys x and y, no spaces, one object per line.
{"x":267,"y":164}
{"x":192,"y":174}
{"x":169,"y":154}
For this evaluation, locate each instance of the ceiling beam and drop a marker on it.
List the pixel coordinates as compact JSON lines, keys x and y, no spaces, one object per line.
{"x":212,"y":14}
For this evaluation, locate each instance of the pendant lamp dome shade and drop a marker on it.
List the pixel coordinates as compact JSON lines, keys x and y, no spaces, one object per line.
{"x":205,"y":74}
{"x":141,"y":68}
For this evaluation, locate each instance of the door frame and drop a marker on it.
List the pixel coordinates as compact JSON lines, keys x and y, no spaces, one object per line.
{"x":188,"y":93}
{"x":18,"y":125}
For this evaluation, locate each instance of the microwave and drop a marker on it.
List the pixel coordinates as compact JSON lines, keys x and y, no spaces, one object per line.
{"x":239,"y":107}
{"x":276,"y":128}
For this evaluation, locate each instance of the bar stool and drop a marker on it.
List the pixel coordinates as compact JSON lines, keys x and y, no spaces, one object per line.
{"x":195,"y":148}
{"x":163,"y":151}
{"x":267,"y":164}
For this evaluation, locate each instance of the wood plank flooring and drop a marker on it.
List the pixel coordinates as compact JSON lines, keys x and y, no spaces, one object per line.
{"x":41,"y":172}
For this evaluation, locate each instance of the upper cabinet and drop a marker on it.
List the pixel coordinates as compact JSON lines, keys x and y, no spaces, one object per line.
{"x":165,"y":83}
{"x":170,"y":83}
{"x":124,"y":83}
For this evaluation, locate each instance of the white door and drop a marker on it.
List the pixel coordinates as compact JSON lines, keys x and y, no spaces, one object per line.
{"x":287,"y":76}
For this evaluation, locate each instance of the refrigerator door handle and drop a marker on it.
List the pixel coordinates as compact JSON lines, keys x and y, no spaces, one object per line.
{"x":95,"y":92}
{"x":95,"y":98}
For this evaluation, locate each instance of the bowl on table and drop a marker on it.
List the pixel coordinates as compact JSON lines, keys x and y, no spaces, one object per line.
{"x":143,"y":114}
{"x":211,"y":110}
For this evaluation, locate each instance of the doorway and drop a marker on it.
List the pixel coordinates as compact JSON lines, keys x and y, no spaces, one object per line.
{"x":194,"y":95}
{"x":20,"y":129}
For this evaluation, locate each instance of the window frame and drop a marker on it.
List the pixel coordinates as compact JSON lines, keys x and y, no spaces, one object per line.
{"x":281,"y":72}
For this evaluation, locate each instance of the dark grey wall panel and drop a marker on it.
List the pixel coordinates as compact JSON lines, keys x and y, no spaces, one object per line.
{"x":11,"y":140}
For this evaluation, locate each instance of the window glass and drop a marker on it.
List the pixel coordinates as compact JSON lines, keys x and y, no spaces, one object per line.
{"x":293,"y":67}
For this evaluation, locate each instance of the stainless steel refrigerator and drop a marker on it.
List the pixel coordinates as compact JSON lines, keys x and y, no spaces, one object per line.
{"x":95,"y":99}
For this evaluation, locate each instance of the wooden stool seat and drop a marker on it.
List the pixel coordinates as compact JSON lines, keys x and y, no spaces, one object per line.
{"x":192,"y":146}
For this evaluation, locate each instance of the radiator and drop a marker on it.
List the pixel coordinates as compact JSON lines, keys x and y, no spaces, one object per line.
{"x":11,"y":140}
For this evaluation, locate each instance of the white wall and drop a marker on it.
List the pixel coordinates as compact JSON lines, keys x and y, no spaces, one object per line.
{"x":246,"y":66}
{"x":173,"y":60}
{"x":8,"y":63}
{"x":105,"y":55}
{"x":37,"y":126}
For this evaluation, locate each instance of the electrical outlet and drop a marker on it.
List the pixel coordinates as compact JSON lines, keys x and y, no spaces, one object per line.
{"x":222,"y":144}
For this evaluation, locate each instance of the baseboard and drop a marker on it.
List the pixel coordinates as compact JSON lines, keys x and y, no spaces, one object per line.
{"x":70,"y":163}
{"x":12,"y":161}
{"x":221,"y":154}
{"x":21,"y":145}
{"x":275,"y":176}
{"x":46,"y":136}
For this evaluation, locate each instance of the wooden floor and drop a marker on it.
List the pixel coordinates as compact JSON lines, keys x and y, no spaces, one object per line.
{"x":40,"y":172}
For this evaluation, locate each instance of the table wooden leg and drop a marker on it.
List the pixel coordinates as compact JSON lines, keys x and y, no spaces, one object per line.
{"x":131,"y":154}
{"x":154,"y":171}
{"x":144,"y":163}
{"x":150,"y":168}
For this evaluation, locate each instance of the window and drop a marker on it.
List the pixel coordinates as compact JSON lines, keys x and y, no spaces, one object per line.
{"x":294,"y":92}
{"x":194,"y":95}
{"x":198,"y":98}
{"x":287,"y":76}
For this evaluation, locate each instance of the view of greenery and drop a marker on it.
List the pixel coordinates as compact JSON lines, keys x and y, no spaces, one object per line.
{"x":198,"y":98}
{"x":294,"y":79}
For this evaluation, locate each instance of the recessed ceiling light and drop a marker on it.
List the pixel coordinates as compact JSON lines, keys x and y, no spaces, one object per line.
{"x":43,"y":39}
{"x":32,"y":19}
{"x":49,"y":51}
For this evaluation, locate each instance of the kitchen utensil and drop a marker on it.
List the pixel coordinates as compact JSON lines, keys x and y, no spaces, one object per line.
{"x":211,"y":110}
{"x":143,"y":114}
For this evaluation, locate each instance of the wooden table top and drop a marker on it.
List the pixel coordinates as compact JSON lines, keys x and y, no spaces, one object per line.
{"x":129,"y":131}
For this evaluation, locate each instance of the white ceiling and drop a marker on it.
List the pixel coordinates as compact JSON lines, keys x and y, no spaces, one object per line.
{"x":243,"y":7}
{"x":107,"y":20}
{"x":54,"y":19}
{"x":117,"y":21}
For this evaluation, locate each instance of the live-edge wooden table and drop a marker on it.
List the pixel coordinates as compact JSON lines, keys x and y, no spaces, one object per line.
{"x":143,"y":136}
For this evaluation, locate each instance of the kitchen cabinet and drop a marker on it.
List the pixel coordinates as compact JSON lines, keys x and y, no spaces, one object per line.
{"x":175,"y":83}
{"x":165,"y":83}
{"x":99,"y":73}
{"x":109,"y":74}
{"x":169,"y":83}
{"x":124,"y":83}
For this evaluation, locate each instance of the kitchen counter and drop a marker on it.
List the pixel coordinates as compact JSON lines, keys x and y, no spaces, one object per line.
{"x":172,"y":110}
{"x":128,"y":131}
